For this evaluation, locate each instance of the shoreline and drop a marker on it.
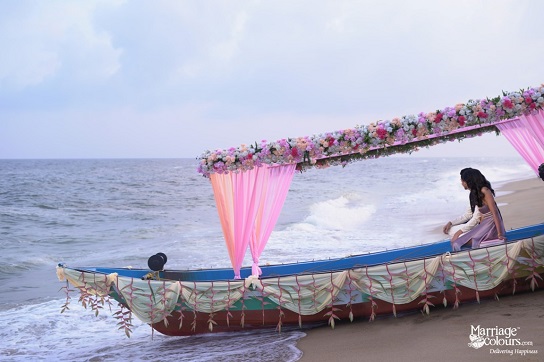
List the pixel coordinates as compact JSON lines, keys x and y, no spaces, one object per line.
{"x":444,"y":333}
{"x":520,"y":198}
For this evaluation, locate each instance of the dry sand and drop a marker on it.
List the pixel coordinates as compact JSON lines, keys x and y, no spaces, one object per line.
{"x":444,"y":334}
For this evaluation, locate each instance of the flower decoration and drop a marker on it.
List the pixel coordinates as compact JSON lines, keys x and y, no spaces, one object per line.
{"x":405,"y":134}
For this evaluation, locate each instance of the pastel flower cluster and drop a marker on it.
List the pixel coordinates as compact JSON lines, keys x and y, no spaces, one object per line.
{"x":399,"y":135}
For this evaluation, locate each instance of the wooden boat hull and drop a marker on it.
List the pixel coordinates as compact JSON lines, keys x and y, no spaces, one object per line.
{"x":198,"y":323}
{"x":180,"y":303}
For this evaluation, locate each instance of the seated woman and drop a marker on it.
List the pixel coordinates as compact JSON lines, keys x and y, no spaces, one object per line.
{"x":491,"y":225}
{"x":465,"y":222}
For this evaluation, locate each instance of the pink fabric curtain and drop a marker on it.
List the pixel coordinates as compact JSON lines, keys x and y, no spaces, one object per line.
{"x":273,"y":196}
{"x":536,"y":123}
{"x":248,"y":204}
{"x":526,"y":134}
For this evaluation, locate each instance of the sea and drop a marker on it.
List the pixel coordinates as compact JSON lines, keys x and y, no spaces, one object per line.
{"x":119,"y":212}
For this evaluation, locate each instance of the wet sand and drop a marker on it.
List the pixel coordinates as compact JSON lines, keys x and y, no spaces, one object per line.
{"x":444,"y":334}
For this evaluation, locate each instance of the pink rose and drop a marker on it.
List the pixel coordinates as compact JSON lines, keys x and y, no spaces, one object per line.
{"x":381,"y":133}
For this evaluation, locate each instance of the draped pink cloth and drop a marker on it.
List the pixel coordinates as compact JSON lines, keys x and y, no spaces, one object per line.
{"x":269,"y":208}
{"x":536,"y":123}
{"x":526,"y":134}
{"x":248,"y":204}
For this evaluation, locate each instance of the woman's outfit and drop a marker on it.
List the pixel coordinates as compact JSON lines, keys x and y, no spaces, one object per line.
{"x":465,"y":222}
{"x":485,"y":230}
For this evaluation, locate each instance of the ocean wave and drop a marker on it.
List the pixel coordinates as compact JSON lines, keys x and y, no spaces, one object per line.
{"x":347,"y":212}
{"x":33,"y":332}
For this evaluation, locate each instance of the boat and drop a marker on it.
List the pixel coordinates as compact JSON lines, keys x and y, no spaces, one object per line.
{"x":250,"y":185}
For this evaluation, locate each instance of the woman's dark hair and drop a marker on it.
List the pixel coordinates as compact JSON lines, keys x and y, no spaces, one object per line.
{"x":475,"y":182}
{"x":463,"y":171}
{"x":541,"y":171}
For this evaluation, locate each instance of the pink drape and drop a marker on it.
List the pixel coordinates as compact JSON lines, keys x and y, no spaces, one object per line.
{"x":248,"y":204}
{"x":536,"y":123}
{"x":269,"y":208}
{"x":526,"y":134}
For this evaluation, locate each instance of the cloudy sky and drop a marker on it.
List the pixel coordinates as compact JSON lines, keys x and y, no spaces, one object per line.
{"x":103,"y":79}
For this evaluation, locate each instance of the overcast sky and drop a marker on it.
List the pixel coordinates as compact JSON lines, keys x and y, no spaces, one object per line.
{"x":103,"y":79}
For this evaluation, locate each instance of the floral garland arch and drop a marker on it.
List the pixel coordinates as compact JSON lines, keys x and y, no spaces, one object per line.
{"x":399,"y":135}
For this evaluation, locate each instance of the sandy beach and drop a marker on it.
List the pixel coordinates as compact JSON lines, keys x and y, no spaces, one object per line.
{"x":444,"y":334}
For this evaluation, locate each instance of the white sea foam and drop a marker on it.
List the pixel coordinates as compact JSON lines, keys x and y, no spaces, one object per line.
{"x":41,"y":333}
{"x":343,"y":213}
